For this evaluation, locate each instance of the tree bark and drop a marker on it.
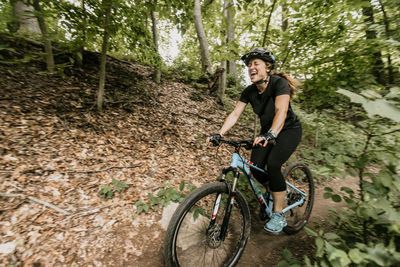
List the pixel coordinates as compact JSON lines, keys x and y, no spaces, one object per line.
{"x":205,"y":54}
{"x":222,"y":83}
{"x":268,"y":22}
{"x":378,"y":66}
{"x":81,"y":49}
{"x":102,"y":75}
{"x":23,"y":18}
{"x":229,"y":14}
{"x":46,"y":39}
{"x":157,"y":72}
{"x":387,"y":34}
{"x":285,"y":22}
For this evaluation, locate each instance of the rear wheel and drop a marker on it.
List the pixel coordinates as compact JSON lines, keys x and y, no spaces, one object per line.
{"x":191,"y":240}
{"x":299,"y":176}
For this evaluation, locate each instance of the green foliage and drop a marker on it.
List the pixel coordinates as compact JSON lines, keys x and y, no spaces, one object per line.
{"x":108,"y":191}
{"x":164,"y":197}
{"x":367,"y":230}
{"x":234,"y":85}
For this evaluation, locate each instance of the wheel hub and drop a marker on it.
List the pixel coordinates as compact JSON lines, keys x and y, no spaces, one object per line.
{"x":213,"y":236}
{"x":295,"y":197}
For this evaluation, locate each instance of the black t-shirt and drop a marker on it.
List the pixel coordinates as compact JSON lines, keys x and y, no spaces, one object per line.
{"x":264,"y":104}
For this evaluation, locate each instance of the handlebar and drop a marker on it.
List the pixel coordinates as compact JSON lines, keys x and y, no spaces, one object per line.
{"x":246,"y":143}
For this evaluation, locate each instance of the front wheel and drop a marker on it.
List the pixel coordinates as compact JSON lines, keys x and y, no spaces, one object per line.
{"x":299,"y":176}
{"x":193,"y":236}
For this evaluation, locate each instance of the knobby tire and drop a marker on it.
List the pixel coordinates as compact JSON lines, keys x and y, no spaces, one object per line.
{"x":300,"y":176}
{"x":187,"y":242}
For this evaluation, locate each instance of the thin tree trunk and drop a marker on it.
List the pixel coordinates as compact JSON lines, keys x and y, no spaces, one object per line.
{"x":222,"y":84}
{"x":157,"y":72}
{"x":205,"y":54}
{"x":387,"y":34}
{"x":285,"y":22}
{"x":222,"y":81}
{"x":378,"y":65}
{"x":100,"y":96}
{"x":229,"y":14}
{"x":268,"y":22}
{"x":46,"y":39}
{"x":80,"y":50}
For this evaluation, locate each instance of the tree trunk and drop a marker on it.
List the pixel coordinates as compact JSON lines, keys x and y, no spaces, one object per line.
{"x":387,"y":34}
{"x":157,"y":72}
{"x":285,"y":22}
{"x":268,"y":22}
{"x":205,"y":55}
{"x":24,"y":20}
{"x":81,"y":49}
{"x":100,"y":96}
{"x":229,"y":14}
{"x":46,"y":39}
{"x":378,"y":66}
{"x":222,"y":83}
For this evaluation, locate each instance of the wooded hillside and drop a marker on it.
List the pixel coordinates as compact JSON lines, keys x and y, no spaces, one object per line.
{"x":101,"y":127}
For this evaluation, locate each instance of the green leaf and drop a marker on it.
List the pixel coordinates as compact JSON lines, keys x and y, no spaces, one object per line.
{"x":356,"y":255}
{"x":196,"y":214}
{"x":379,"y":107}
{"x":182,"y":186}
{"x":161,"y":193}
{"x":347,"y":190}
{"x":331,"y":236}
{"x":319,"y":242}
{"x":154,"y":200}
{"x":155,"y":207}
{"x":327,"y":195}
{"x":139,"y":209}
{"x":165,"y":202}
{"x":146,"y":207}
{"x":340,"y":256}
{"x":336,"y":198}
{"x":310,"y":231}
{"x":328,"y":189}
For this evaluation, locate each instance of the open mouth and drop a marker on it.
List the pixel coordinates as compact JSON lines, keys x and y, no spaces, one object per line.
{"x":252,"y":74}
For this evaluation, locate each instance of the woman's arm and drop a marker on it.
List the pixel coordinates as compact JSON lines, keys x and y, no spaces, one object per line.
{"x":233,"y":117}
{"x":281,"y":108}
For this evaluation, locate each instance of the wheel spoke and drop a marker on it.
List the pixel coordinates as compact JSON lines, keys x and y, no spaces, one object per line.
{"x":300,"y":177}
{"x":198,"y":243}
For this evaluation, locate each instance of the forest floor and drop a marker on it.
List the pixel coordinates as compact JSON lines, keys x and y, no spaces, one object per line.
{"x":57,"y":152}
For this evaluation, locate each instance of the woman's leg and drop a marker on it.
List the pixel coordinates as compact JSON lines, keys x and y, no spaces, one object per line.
{"x":286,"y":144}
{"x":259,"y":158}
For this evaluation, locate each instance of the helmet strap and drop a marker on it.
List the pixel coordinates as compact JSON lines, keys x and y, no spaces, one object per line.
{"x":263,"y":81}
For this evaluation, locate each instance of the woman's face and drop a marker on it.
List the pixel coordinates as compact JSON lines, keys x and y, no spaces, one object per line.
{"x":257,"y":70}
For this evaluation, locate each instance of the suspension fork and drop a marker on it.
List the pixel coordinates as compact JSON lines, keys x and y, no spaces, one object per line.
{"x":231,"y":199}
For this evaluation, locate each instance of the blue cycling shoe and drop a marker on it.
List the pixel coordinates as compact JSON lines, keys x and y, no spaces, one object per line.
{"x":276,"y":223}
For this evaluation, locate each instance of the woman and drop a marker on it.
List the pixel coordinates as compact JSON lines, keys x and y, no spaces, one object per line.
{"x":269,"y":96}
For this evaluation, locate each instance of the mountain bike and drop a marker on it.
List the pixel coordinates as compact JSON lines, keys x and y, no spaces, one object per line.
{"x":212,"y":224}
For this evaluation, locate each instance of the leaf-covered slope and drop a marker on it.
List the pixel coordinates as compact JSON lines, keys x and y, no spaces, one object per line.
{"x":56,"y":148}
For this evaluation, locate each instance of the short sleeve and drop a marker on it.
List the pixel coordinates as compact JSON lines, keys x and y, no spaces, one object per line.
{"x":245,"y":96}
{"x":282,"y":87}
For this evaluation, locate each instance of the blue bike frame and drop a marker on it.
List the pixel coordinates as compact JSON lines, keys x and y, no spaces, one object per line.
{"x":238,"y":162}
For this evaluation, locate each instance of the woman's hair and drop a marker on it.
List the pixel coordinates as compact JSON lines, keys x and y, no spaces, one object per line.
{"x":293,"y":83}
